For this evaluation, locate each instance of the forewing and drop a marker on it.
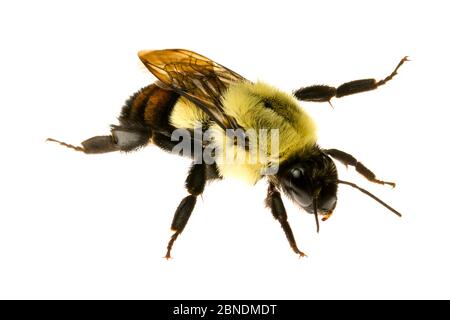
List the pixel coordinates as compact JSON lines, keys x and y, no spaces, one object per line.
{"x":194,"y":76}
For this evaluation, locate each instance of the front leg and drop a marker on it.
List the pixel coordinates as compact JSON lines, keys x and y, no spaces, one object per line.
{"x":349,"y":160}
{"x":274,"y":202}
{"x":324,"y":93}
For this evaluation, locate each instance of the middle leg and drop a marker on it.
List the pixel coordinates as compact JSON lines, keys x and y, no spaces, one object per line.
{"x":195,"y":183}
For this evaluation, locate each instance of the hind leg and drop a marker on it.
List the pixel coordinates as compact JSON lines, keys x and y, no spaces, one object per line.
{"x":133,"y":131}
{"x":120,"y":139}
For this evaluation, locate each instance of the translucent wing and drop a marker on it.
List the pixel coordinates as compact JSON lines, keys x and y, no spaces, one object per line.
{"x":195,"y":77}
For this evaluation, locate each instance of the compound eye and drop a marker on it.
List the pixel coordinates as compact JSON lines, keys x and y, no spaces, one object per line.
{"x":300,"y":189}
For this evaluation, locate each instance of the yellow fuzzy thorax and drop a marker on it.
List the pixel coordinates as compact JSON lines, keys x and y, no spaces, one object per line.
{"x":259,"y":108}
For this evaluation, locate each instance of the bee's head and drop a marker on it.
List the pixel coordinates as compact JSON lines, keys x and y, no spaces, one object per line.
{"x":311,"y":182}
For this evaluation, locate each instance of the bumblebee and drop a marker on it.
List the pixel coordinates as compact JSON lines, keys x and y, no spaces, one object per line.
{"x":194,"y":92}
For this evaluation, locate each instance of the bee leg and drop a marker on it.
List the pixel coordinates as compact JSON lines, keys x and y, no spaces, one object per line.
{"x":129,"y":138}
{"x":274,"y":202}
{"x":199,"y":173}
{"x":180,"y":220}
{"x":349,"y":160}
{"x":324,"y":93}
{"x":121,"y":139}
{"x":98,"y":144}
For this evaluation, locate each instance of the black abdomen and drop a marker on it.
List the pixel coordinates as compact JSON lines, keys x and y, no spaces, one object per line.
{"x":144,"y":116}
{"x":149,"y":109}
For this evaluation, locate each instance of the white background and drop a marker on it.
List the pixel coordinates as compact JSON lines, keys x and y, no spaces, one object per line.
{"x":86,"y":226}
